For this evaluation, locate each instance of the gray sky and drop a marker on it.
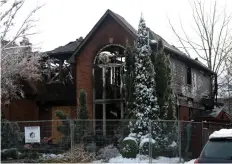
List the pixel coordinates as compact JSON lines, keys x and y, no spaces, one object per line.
{"x":62,"y":21}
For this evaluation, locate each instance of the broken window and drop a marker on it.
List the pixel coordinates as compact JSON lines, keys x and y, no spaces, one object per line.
{"x":189,"y":76}
{"x":98,"y":83}
{"x":108,"y":73}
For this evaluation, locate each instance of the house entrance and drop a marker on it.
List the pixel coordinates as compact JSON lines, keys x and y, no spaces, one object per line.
{"x":108,"y":73}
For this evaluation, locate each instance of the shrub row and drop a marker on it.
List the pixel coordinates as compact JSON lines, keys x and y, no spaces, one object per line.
{"x":129,"y":148}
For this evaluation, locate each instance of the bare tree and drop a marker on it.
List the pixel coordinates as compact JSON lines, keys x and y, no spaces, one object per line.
{"x":18,"y":61}
{"x":227,"y":80}
{"x":229,"y":64}
{"x":213,"y":40}
{"x":9,"y":9}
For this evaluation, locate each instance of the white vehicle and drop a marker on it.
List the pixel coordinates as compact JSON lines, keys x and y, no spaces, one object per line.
{"x":218,"y":149}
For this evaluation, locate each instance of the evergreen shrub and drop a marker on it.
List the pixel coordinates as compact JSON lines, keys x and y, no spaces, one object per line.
{"x":129,"y":148}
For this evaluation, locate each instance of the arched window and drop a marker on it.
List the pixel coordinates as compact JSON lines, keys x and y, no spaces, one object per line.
{"x":108,"y":72}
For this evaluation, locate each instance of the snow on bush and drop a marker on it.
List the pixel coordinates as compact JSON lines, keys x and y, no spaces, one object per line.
{"x":107,"y":153}
{"x":173,"y":145}
{"x":153,"y":41}
{"x":221,"y":133}
{"x":144,"y":145}
{"x":48,"y":156}
{"x":129,"y":148}
{"x":130,"y":138}
{"x":145,"y":140}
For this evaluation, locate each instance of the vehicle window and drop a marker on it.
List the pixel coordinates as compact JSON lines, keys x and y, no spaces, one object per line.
{"x":218,"y":149}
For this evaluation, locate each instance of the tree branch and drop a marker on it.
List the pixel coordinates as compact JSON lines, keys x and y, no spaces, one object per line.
{"x":179,"y":38}
{"x":25,"y":26}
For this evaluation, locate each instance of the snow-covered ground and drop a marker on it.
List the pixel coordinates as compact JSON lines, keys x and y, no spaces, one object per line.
{"x":144,"y":159}
{"x":139,"y":159}
{"x":190,"y":162}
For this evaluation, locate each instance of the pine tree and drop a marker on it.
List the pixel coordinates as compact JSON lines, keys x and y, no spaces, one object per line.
{"x":163,"y":80}
{"x":83,"y":105}
{"x":82,"y":125}
{"x":145,"y":101}
{"x":165,"y":97}
{"x":129,"y":78}
{"x":128,"y":89}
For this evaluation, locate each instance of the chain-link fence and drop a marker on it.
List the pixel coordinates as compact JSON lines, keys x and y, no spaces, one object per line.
{"x":88,"y":140}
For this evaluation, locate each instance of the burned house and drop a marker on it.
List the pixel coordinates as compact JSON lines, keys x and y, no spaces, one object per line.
{"x":194,"y":83}
{"x":97,"y":64}
{"x":55,"y":92}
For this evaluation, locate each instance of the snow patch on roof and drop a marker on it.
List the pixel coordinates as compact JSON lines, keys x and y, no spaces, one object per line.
{"x":215,"y":112}
{"x":223,"y":133}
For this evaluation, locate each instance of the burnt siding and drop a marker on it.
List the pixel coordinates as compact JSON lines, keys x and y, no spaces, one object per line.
{"x":200,"y":81}
{"x":178,"y":75}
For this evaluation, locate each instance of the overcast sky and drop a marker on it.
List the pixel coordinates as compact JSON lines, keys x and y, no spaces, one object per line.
{"x":62,"y":21}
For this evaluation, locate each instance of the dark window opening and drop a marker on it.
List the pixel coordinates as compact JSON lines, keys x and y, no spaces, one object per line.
{"x":189,"y":76}
{"x":98,"y":83}
{"x":99,"y":119}
{"x":108,"y":73}
{"x":113,"y":113}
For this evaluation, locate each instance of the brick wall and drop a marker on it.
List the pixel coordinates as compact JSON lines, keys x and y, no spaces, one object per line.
{"x":22,"y":110}
{"x":84,"y":79}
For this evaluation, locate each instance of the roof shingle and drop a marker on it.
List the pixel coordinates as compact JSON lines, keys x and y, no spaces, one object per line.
{"x":66,"y":50}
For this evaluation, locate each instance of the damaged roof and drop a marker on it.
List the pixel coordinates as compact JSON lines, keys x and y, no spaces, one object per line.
{"x":156,"y":37}
{"x":76,"y":46}
{"x":214,"y":113}
{"x":65,"y":51}
{"x":211,"y":113}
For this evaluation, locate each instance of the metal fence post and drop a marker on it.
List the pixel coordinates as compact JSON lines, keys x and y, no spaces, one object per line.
{"x":71,"y":135}
{"x":150,"y":142}
{"x":179,"y":138}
